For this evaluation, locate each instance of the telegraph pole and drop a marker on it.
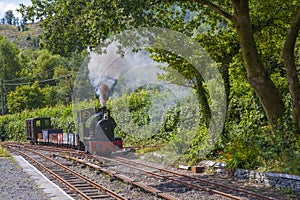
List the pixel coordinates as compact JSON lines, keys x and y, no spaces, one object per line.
{"x":2,"y":95}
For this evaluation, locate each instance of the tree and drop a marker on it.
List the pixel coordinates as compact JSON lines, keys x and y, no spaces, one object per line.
{"x":258,"y":76}
{"x":25,"y":98}
{"x":40,"y":65}
{"x":257,"y":73}
{"x":91,"y":22}
{"x":65,"y":75}
{"x":16,"y":22}
{"x":51,"y":70}
{"x":46,"y":63}
{"x":10,"y":66}
{"x":9,"y":16}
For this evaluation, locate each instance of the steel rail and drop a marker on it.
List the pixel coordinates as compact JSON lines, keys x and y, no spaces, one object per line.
{"x":178,"y":181}
{"x":199,"y":179}
{"x":53,"y":174}
{"x":125,"y":179}
{"x":92,"y":183}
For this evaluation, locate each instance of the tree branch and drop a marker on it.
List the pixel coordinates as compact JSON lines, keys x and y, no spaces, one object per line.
{"x":292,"y":35}
{"x":216,"y":8}
{"x":291,"y":69}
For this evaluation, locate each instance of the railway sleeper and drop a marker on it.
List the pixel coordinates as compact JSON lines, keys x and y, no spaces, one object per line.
{"x":70,"y":178}
{"x":92,"y":193}
{"x":83,"y":187}
{"x":80,"y":184}
{"x":103,"y":196}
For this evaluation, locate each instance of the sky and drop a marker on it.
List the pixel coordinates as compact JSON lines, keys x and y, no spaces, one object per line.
{"x":6,"y":5}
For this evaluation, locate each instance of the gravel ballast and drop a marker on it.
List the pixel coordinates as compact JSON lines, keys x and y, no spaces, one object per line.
{"x":20,"y":180}
{"x":17,"y":184}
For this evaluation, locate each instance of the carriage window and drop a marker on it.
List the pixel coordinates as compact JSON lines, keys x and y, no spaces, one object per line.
{"x":47,"y":122}
{"x":38,"y":123}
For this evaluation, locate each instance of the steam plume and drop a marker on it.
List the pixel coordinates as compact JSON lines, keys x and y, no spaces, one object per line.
{"x":103,"y":91}
{"x":106,"y":69}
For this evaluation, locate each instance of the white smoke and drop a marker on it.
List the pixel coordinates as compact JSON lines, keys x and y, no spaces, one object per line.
{"x":132,"y":69}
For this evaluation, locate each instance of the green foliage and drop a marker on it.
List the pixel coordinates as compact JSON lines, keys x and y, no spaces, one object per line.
{"x":30,"y":97}
{"x":172,"y":119}
{"x":148,"y":118}
{"x":132,"y":114}
{"x":4,"y":152}
{"x":249,"y":140}
{"x":25,"y":97}
{"x":144,"y":117}
{"x":46,"y":80}
{"x":253,"y":145}
{"x":198,"y":148}
{"x":139,"y":104}
{"x":180,"y":72}
{"x":9,"y":61}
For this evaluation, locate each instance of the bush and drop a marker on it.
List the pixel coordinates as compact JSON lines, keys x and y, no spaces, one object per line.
{"x":251,"y":143}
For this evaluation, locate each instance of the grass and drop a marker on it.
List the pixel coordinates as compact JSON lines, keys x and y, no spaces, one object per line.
{"x":147,"y":149}
{"x":4,"y":152}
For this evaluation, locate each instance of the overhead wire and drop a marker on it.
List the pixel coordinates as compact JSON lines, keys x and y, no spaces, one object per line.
{"x":29,"y":76}
{"x":31,"y":82}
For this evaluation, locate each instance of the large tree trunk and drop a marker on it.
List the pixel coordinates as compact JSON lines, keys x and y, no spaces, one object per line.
{"x":258,"y":76}
{"x":291,"y":71}
{"x":203,"y":98}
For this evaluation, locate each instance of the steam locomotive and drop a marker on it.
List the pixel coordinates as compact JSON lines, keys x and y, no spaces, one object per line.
{"x":96,"y":128}
{"x":95,"y":132}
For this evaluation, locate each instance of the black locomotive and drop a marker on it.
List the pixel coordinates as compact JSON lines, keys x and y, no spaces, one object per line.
{"x":97,"y":131}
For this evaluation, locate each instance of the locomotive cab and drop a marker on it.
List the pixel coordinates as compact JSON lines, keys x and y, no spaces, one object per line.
{"x":105,"y":126}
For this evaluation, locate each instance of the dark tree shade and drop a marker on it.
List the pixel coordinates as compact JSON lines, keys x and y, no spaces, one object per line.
{"x":9,"y":16}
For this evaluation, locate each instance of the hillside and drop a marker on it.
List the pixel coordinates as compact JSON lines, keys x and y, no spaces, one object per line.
{"x":23,"y":39}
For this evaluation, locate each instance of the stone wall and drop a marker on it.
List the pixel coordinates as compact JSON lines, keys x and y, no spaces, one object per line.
{"x":283,"y":181}
{"x":277,"y":180}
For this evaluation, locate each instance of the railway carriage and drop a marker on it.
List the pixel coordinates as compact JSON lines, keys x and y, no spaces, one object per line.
{"x":40,"y":131}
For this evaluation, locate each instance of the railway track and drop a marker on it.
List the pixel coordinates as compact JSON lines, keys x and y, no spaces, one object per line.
{"x":75,"y":182}
{"x":178,"y":178}
{"x":156,"y":192}
{"x":192,"y":181}
{"x":123,"y":169}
